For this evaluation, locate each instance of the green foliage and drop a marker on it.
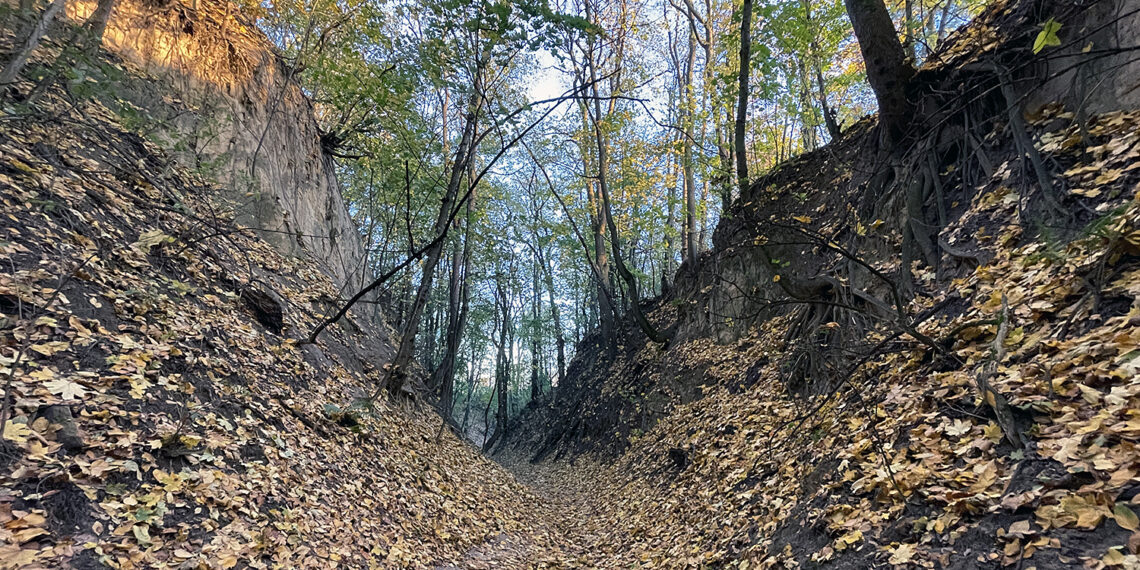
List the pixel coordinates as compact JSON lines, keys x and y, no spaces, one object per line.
{"x":393,"y":84}
{"x":1047,"y":36}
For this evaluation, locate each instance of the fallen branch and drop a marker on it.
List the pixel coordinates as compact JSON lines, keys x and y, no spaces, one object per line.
{"x":989,"y":394}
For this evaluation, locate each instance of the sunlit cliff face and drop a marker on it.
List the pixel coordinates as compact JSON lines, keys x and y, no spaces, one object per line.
{"x":223,"y":85}
{"x":204,"y":39}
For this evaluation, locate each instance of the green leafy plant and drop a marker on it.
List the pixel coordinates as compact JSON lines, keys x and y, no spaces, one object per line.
{"x":1047,"y":36}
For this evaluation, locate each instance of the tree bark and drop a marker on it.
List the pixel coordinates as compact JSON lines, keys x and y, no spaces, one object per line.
{"x":742,"y":96}
{"x":687,"y":120}
{"x":472,"y":376}
{"x":909,"y":46}
{"x":829,"y":118}
{"x":555,"y":313}
{"x":607,"y":312}
{"x":463,"y":155}
{"x":615,"y":239}
{"x":20,"y":59}
{"x":887,"y":69}
{"x":502,"y":367}
{"x":535,"y":345}
{"x":443,"y":379}
{"x":96,"y":24}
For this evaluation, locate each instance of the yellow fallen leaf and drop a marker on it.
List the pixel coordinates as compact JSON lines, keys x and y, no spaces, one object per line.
{"x":903,"y":554}
{"x":1114,"y":557}
{"x":16,"y":433}
{"x":1125,"y":517}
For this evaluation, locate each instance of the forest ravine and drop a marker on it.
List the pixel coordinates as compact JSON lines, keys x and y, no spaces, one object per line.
{"x":478,"y":284}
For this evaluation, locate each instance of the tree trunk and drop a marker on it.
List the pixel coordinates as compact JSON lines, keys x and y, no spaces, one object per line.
{"x":722,"y":132}
{"x":463,"y":155}
{"x":687,"y":120}
{"x":807,"y":115}
{"x":909,"y":43}
{"x":942,"y":21}
{"x":887,"y":68}
{"x":96,"y":24}
{"x":606,"y":310}
{"x":556,"y":314}
{"x":502,"y":368}
{"x":472,"y":376}
{"x":615,"y":239}
{"x":536,"y":313}
{"x":829,"y":117}
{"x":742,"y":97}
{"x":443,"y":380}
{"x":670,"y":227}
{"x":20,"y":59}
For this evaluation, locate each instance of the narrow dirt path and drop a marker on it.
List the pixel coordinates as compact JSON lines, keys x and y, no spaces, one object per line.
{"x":565,"y":513}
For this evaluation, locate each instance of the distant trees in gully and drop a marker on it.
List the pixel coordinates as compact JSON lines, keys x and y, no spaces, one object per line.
{"x":526,"y":173}
{"x":509,"y":224}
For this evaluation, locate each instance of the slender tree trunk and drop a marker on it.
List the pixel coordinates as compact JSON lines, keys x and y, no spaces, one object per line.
{"x":472,"y":377}
{"x":443,"y":380}
{"x":942,"y":21}
{"x":807,"y":115}
{"x":606,"y":310}
{"x":687,"y":121}
{"x":670,"y":227}
{"x":535,"y":346}
{"x":20,"y":59}
{"x":459,"y":166}
{"x":723,"y":146}
{"x":96,"y":24}
{"x":431,"y":331}
{"x":909,"y":43}
{"x":556,"y":314}
{"x":463,"y":156}
{"x":615,"y":239}
{"x":742,"y":97}
{"x":702,"y":236}
{"x":724,"y":135}
{"x":502,"y":368}
{"x":829,"y":118}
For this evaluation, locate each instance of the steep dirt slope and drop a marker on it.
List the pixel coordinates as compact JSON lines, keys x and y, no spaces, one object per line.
{"x":161,"y":412}
{"x":785,"y":434}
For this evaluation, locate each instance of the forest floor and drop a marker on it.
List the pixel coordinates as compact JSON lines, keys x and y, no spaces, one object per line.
{"x":564,"y":510}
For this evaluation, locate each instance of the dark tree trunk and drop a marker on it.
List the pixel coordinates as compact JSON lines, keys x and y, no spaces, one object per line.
{"x":463,"y":154}
{"x":20,"y":59}
{"x":443,"y":379}
{"x":687,"y":119}
{"x":742,"y":97}
{"x":535,"y":346}
{"x":607,"y":312}
{"x":97,"y":23}
{"x":472,"y":376}
{"x":502,"y":368}
{"x":615,"y":241}
{"x":887,"y":69}
{"x":829,"y":117}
